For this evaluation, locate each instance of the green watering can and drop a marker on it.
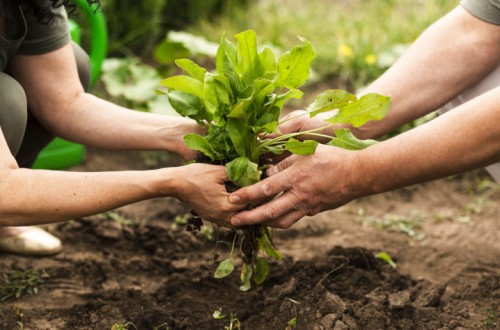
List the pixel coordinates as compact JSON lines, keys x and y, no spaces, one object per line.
{"x":60,"y":154}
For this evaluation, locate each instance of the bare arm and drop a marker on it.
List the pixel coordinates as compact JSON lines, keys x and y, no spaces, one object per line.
{"x":463,"y":139}
{"x":29,"y":197}
{"x":451,"y":55}
{"x":56,"y":98}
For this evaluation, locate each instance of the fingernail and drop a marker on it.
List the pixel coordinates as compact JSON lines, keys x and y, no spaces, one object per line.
{"x":235,"y":221}
{"x":234,"y":199}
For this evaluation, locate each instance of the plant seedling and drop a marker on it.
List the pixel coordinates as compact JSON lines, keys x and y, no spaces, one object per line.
{"x":17,"y":282}
{"x":240,"y":105}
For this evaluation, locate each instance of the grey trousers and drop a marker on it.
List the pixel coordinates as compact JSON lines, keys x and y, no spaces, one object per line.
{"x":488,"y":83}
{"x":25,"y":135}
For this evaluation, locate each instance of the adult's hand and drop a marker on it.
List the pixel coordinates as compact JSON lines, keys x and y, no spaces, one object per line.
{"x":304,"y":185}
{"x":201,"y":186}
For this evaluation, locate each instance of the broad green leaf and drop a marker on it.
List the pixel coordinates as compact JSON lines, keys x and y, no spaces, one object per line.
{"x":198,"y":142}
{"x":307,"y":147}
{"x":215,"y":97}
{"x":263,"y":88}
{"x":245,"y":276}
{"x":242,"y":172}
{"x":225,"y":62}
{"x":249,"y":65}
{"x":293,"y":66}
{"x":268,"y":59}
{"x":329,"y":100}
{"x":346,"y":140}
{"x":225,"y":268}
{"x":168,"y":51}
{"x":369,"y":107}
{"x":261,"y":270}
{"x":291,"y":94}
{"x":186,"y":105}
{"x":193,"y":69}
{"x":240,"y":135}
{"x":184,"y":84}
{"x":293,"y":322}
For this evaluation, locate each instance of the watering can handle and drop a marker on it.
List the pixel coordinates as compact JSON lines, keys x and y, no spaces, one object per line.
{"x":98,"y":37}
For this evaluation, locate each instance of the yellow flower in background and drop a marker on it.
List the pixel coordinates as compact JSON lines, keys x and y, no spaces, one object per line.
{"x":370,"y":59}
{"x":345,"y":51}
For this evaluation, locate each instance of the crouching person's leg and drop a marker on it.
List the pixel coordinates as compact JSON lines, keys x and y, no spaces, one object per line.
{"x":489,"y":82}
{"x":26,"y":137}
{"x":13,"y":120}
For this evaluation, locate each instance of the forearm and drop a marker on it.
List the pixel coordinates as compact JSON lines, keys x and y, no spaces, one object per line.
{"x":95,"y":122}
{"x":450,"y":56}
{"x":461,"y":140}
{"x":30,"y":197}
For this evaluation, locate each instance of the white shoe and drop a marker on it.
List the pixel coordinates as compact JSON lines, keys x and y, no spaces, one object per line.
{"x":30,"y":241}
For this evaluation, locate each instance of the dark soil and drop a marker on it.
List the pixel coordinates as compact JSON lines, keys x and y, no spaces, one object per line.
{"x":444,"y":236}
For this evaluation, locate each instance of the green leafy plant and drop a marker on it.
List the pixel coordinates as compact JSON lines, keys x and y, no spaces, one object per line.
{"x":18,"y":282}
{"x":240,"y":105}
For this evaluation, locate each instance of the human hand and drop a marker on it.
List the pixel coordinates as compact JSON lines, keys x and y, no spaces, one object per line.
{"x":300,"y":121}
{"x":202,"y":187}
{"x":182,"y":127}
{"x":305,"y":185}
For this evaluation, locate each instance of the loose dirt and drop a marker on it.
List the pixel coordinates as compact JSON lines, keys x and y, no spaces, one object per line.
{"x":145,"y":269}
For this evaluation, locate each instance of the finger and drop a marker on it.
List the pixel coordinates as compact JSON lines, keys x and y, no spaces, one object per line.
{"x":287,"y":220}
{"x":260,"y":190}
{"x":275,"y":209}
{"x":283,"y":165}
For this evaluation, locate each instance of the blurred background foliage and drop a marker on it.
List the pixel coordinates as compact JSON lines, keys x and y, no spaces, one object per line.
{"x":355,"y":40}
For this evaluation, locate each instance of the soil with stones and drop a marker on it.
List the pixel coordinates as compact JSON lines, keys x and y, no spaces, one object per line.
{"x":136,"y":267}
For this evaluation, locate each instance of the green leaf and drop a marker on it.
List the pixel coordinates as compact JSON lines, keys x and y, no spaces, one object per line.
{"x":267,"y":246}
{"x":225,"y":62}
{"x":242,"y":172}
{"x":225,"y":268}
{"x":184,"y":84}
{"x":249,"y":65}
{"x":346,"y":140}
{"x":215,"y":97}
{"x":293,"y":322}
{"x":240,"y":136}
{"x":369,"y":107}
{"x":329,"y":100}
{"x":293,"y":66}
{"x":245,"y":275}
{"x":268,"y":59}
{"x":217,"y":315}
{"x":384,"y":256}
{"x":167,"y":51}
{"x":193,"y":69}
{"x":198,"y":142}
{"x":261,"y":270}
{"x":307,"y":147}
{"x":186,"y":105}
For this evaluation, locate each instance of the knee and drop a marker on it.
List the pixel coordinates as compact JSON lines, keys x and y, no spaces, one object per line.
{"x":83,"y":66}
{"x":13,"y":111}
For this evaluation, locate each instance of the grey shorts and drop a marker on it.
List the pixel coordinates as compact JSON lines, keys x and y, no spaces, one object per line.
{"x":489,"y":82}
{"x":25,"y":135}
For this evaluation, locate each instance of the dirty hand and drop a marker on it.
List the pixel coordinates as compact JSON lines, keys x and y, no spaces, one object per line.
{"x":201,"y":187}
{"x":306,"y":185}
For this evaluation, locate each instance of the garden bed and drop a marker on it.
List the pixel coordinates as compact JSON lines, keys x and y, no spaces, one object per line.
{"x":442,"y":235}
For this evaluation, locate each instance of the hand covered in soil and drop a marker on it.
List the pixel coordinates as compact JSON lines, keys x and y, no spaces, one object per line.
{"x":201,"y":187}
{"x":305,"y":185}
